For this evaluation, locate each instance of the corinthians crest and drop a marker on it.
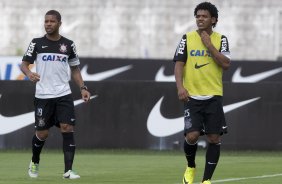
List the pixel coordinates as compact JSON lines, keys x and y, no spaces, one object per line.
{"x":41,"y":122}
{"x":63,"y":48}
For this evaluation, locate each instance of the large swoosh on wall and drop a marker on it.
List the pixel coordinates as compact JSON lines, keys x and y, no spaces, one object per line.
{"x":160,"y":126}
{"x":102,"y":75}
{"x":161,"y":77}
{"x":237,"y":77}
{"x":13,"y":123}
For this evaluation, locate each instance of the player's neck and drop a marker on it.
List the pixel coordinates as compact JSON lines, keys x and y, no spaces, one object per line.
{"x":209,"y":31}
{"x":53,"y":37}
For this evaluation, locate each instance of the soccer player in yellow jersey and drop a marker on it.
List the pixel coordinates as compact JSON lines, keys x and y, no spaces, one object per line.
{"x":200,"y":59}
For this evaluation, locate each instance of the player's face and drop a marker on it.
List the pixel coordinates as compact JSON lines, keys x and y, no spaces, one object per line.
{"x":51,"y":24}
{"x":204,"y":20}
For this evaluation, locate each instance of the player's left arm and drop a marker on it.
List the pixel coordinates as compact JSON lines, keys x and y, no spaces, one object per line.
{"x":219,"y":58}
{"x":76,"y":76}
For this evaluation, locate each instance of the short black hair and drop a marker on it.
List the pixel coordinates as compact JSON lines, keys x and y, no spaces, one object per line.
{"x":209,"y":7}
{"x":56,"y":13}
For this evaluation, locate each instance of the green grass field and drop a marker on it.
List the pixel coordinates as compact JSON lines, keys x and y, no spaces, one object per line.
{"x":143,"y":167}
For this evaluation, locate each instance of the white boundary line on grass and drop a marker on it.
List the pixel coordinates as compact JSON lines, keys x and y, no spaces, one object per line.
{"x":246,"y":178}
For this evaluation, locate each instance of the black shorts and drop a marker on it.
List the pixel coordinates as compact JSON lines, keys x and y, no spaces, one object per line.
{"x":53,"y":111}
{"x":204,"y":116}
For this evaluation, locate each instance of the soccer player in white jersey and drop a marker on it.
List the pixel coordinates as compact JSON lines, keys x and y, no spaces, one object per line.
{"x":53,"y":55}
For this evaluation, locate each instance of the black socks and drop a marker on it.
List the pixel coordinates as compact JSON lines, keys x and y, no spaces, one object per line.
{"x":190,"y":153}
{"x":37,"y":146}
{"x":212,"y":157}
{"x":68,"y":149}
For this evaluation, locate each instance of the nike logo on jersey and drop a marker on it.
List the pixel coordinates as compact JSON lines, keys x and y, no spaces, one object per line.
{"x":160,"y":126}
{"x":200,"y":66}
{"x":237,"y":77}
{"x":43,"y":47}
{"x":11,"y":124}
{"x":102,"y":75}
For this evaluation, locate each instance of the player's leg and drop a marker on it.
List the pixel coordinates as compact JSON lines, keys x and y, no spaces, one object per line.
{"x":190,"y":149}
{"x":43,"y":114}
{"x":214,"y":121}
{"x":38,"y":141}
{"x":69,"y":150}
{"x":192,"y":129}
{"x":66,"y":116}
{"x":212,"y":156}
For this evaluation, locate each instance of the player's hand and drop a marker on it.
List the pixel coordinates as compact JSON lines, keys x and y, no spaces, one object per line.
{"x":34,"y":77}
{"x":85,"y":95}
{"x":206,"y":39}
{"x":183,"y":94}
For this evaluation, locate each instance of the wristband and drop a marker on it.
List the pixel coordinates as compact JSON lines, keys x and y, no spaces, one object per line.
{"x":83,"y":88}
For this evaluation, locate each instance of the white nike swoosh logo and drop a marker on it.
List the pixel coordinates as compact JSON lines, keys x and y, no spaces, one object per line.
{"x":182,"y":28}
{"x":44,"y":47}
{"x":11,"y":124}
{"x":237,"y":77}
{"x":212,"y":163}
{"x":102,"y":75}
{"x":161,"y":77}
{"x":160,"y":126}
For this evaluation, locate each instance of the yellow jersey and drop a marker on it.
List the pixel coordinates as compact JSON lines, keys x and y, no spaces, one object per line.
{"x":202,"y":76}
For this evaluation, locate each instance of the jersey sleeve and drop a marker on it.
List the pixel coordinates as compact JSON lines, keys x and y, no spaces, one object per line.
{"x":30,"y":54}
{"x":73,"y":58}
{"x":181,"y":50}
{"x":224,"y":46}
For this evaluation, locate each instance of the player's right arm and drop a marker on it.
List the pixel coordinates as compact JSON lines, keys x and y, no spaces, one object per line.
{"x":180,"y":58}
{"x":183,"y":94}
{"x":28,"y":59}
{"x":32,"y":76}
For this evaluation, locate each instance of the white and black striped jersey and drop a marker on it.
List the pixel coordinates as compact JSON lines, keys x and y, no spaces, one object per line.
{"x":52,"y":60}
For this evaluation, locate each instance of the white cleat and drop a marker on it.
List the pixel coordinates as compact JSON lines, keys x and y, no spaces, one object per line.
{"x":71,"y":175}
{"x":33,"y":170}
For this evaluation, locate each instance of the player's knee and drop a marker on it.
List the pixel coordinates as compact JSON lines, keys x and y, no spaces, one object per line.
{"x":192,"y":138}
{"x":66,"y":127}
{"x":213,"y":139}
{"x":42,"y":135}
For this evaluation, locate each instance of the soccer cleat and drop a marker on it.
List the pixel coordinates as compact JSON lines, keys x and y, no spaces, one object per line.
{"x":71,"y":175}
{"x":206,"y":182}
{"x":33,"y":169}
{"x":189,"y":174}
